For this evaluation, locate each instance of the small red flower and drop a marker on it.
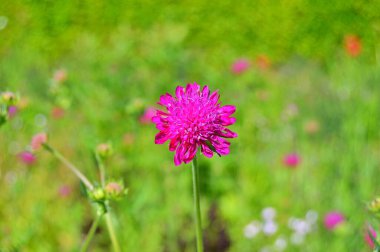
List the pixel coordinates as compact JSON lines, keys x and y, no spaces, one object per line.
{"x":352,"y":45}
{"x":27,"y":157}
{"x":194,"y":119}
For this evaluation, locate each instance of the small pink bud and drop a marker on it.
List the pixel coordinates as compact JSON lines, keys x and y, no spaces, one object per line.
{"x":291,"y":160}
{"x":64,"y":191}
{"x":333,"y":219}
{"x":240,"y":66}
{"x":12,"y":111}
{"x":57,"y":112}
{"x":27,"y":157}
{"x":38,"y":140}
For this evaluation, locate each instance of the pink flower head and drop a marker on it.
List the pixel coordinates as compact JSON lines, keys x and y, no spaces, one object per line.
{"x":38,"y":140}
{"x":352,"y":45}
{"x":146,"y":118}
{"x":27,"y":157}
{"x":240,"y":66}
{"x":367,"y":237}
{"x":60,"y":75}
{"x":292,"y":160}
{"x":12,"y":111}
{"x":194,"y":118}
{"x":333,"y":219}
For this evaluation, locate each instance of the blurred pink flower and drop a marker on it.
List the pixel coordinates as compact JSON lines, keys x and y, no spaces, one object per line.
{"x":60,"y":75}
{"x":333,"y":219}
{"x":27,"y":157}
{"x":352,"y":45}
{"x":64,"y":191}
{"x":146,"y":118}
{"x":292,"y":160}
{"x":367,"y":237}
{"x":57,"y":112}
{"x":38,"y":140}
{"x":240,"y":66}
{"x":12,"y":111}
{"x":194,"y":119}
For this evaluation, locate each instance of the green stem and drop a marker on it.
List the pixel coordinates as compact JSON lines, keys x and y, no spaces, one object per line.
{"x":197,"y":209}
{"x":69,"y":165}
{"x":112,"y":233}
{"x":102,"y":170}
{"x":91,"y":233}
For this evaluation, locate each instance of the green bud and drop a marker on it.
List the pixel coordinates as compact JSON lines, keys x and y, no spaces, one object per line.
{"x":104,"y":150}
{"x":9,"y":98}
{"x":374,"y":206}
{"x":115,"y":190}
{"x":97,"y":194}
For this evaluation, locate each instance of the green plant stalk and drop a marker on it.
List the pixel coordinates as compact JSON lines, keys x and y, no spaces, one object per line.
{"x":111,"y":231}
{"x":198,"y":219}
{"x":102,"y":171}
{"x":91,"y":233}
{"x":69,"y":165}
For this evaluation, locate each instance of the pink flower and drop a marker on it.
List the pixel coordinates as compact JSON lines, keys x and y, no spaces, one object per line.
{"x":57,"y":112}
{"x":292,"y":160}
{"x":38,"y":140}
{"x":146,"y":118}
{"x":60,"y":75}
{"x":12,"y":111}
{"x":367,"y":237}
{"x":27,"y":157}
{"x":240,"y":66}
{"x":352,"y":45}
{"x":333,"y":219}
{"x":194,"y":118}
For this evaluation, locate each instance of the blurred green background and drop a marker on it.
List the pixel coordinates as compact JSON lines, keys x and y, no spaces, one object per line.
{"x":303,"y":91}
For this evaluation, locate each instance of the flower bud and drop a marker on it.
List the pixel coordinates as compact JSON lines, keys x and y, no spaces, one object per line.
{"x":104,"y":150}
{"x":374,"y":206}
{"x":9,"y":98}
{"x":115,"y":190}
{"x":97,"y":194}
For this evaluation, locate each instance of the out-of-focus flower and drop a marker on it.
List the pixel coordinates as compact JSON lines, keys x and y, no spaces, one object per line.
{"x":38,"y":140}
{"x":194,"y":119}
{"x":352,"y":45}
{"x":311,"y":126}
{"x":12,"y":111}
{"x":292,"y":160}
{"x":115,"y":190}
{"x":27,"y":157}
{"x":64,"y":191}
{"x":290,"y":112}
{"x":263,"y":62}
{"x":57,"y":112}
{"x":60,"y":76}
{"x":280,"y":244}
{"x":240,"y":66}
{"x":297,"y":238}
{"x":311,"y":216}
{"x":333,"y":219}
{"x":9,"y":98}
{"x":146,"y":118}
{"x":268,"y":213}
{"x":252,"y":229}
{"x":270,"y":227}
{"x":368,"y":238}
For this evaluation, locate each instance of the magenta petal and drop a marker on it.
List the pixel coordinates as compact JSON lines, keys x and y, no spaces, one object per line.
{"x":205,"y":92}
{"x":161,"y":137}
{"x":166,"y":100}
{"x":214,"y":97}
{"x":179,"y":91}
{"x":207,"y":151}
{"x":173,"y":144}
{"x":228,"y":109}
{"x":225,"y":120}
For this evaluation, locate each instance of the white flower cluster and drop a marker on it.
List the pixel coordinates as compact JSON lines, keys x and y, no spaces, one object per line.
{"x":299,"y":227}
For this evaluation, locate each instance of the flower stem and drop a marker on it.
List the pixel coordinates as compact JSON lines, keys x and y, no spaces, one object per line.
{"x":102,"y":172}
{"x":198,"y":220}
{"x":112,"y":233}
{"x":69,"y":165}
{"x":91,"y":233}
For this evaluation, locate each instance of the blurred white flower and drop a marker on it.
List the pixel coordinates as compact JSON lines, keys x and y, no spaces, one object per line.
{"x":297,"y":238}
{"x":3,"y":22}
{"x":252,"y":229}
{"x":311,"y":216}
{"x":268,"y":213}
{"x":270,"y":227}
{"x":40,"y":120}
{"x":265,"y":249}
{"x":280,"y":243}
